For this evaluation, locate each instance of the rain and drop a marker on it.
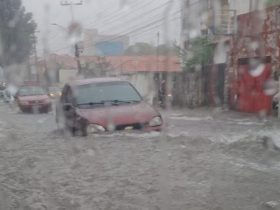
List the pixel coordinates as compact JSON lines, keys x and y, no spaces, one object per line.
{"x":139,"y":105}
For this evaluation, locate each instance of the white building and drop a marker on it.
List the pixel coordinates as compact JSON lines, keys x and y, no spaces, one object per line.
{"x":208,"y":16}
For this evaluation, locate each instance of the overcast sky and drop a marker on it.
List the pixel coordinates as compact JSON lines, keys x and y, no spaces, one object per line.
{"x":139,"y":19}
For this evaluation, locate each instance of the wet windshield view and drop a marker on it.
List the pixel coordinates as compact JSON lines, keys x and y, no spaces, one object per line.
{"x":139,"y":104}
{"x":106,"y":92}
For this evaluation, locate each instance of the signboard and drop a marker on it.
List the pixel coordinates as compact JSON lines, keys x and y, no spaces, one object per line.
{"x":109,"y":48}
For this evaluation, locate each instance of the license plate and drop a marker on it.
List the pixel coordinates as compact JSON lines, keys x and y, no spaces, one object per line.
{"x":129,"y":128}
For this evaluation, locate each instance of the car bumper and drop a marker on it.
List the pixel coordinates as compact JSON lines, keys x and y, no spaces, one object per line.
{"x":34,"y":106}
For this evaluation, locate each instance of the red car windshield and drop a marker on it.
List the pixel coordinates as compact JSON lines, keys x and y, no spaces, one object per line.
{"x":31,"y":91}
{"x":106,"y":92}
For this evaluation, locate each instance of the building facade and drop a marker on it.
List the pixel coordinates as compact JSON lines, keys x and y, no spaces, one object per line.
{"x":217,"y":21}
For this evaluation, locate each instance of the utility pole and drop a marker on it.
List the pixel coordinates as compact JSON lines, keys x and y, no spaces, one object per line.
{"x":158,"y":36}
{"x":36,"y":56}
{"x":76,"y":46}
{"x":77,"y":55}
{"x":157,"y":74}
{"x":71,"y":4}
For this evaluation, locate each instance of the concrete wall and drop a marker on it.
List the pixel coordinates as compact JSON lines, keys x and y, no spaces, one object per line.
{"x":65,"y":75}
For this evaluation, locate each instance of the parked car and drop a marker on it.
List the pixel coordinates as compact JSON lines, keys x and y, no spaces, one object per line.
{"x":30,"y":98}
{"x":104,"y":104}
{"x":2,"y":89}
{"x":9,"y":94}
{"x":54,"y":92}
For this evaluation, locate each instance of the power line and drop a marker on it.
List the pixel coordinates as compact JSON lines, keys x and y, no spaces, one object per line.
{"x":116,"y":13}
{"x":157,"y":26}
{"x":151,"y":29}
{"x":54,"y":37}
{"x":133,"y":31}
{"x":142,"y":14}
{"x":115,"y":17}
{"x":139,"y":28}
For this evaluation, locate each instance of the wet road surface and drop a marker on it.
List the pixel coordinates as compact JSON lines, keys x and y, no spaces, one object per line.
{"x":202,"y":160}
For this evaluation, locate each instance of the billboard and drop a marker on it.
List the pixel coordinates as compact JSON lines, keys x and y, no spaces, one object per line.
{"x":109,"y":48}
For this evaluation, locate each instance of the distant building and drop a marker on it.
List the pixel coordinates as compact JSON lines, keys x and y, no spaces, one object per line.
{"x":139,"y":70}
{"x":230,"y":26}
{"x":96,"y":44}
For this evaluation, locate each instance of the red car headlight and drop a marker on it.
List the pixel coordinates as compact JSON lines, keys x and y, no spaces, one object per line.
{"x":156,"y":121}
{"x":95,"y":128}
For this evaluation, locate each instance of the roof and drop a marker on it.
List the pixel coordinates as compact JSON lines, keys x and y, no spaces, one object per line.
{"x":79,"y":82}
{"x":124,"y":64}
{"x":133,"y":64}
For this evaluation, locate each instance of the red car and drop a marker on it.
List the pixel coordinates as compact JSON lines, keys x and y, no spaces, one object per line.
{"x":104,"y":104}
{"x":30,"y":98}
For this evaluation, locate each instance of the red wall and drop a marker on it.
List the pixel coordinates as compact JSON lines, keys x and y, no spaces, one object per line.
{"x":249,"y":90}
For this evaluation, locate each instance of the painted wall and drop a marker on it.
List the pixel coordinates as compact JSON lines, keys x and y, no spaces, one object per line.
{"x":66,"y":75}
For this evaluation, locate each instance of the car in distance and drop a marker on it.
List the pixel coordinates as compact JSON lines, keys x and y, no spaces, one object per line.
{"x":54,"y":92}
{"x":104,"y":104}
{"x":32,"y":97}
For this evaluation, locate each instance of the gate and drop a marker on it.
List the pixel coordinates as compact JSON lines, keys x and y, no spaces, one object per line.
{"x":247,"y":90}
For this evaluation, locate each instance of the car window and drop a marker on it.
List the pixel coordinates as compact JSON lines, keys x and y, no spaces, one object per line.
{"x":95,"y":93}
{"x":31,"y":91}
{"x":54,"y":89}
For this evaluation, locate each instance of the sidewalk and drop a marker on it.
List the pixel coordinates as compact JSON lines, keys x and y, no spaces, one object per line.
{"x":218,"y":113}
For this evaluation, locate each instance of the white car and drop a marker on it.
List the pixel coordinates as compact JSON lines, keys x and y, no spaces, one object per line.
{"x":9,"y":94}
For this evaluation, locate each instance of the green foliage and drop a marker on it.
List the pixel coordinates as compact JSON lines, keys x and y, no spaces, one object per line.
{"x":199,"y":52}
{"x":272,"y":2}
{"x":142,"y":48}
{"x":16,"y":32}
{"x":164,"y":49}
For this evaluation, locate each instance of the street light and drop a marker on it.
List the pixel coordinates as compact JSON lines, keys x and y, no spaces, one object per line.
{"x":76,"y":48}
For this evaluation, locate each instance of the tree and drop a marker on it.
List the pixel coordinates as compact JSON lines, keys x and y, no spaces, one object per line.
{"x":189,"y":84}
{"x":17,"y":30}
{"x":140,"y":48}
{"x":164,"y":49}
{"x":272,"y":2}
{"x":200,"y":52}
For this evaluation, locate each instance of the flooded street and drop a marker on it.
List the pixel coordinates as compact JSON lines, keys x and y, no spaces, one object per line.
{"x":206,"y":166}
{"x":139,"y":105}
